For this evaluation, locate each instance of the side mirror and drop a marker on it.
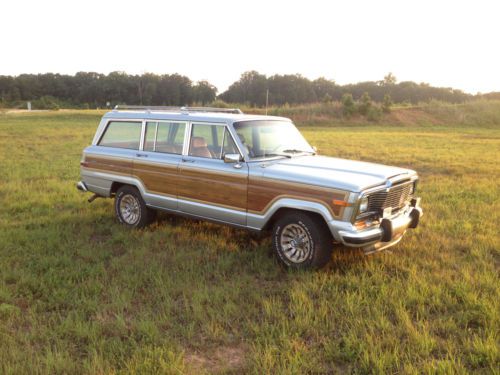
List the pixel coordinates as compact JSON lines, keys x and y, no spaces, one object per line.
{"x":232,"y":158}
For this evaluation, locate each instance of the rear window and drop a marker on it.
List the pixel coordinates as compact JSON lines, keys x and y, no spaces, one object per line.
{"x":122,"y":134}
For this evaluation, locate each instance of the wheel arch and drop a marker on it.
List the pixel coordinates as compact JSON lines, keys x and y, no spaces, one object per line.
{"x":117,"y":184}
{"x":281,"y":208}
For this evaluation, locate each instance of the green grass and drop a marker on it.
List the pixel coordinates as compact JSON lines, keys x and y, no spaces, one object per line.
{"x":81,"y":294}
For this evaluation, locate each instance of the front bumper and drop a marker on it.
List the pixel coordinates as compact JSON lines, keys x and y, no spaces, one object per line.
{"x":386,"y":234}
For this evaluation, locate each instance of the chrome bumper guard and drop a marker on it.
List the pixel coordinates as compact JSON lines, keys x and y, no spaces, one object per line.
{"x":388,"y":233}
{"x":81,"y":186}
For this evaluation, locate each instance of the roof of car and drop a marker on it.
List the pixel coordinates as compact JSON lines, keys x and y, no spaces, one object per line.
{"x":188,"y":116}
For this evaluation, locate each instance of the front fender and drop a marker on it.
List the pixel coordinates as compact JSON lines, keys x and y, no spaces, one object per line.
{"x":259,"y":221}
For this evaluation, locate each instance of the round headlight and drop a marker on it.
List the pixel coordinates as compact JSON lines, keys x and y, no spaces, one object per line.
{"x":363,"y":205}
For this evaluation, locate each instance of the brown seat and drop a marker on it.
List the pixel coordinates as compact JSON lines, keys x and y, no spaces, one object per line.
{"x":165,"y":147}
{"x":199,"y":148}
{"x":168,"y":148}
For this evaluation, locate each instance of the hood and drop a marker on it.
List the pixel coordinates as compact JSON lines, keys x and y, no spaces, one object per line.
{"x":331,"y":172}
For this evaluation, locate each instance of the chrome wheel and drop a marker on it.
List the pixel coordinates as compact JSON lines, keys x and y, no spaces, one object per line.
{"x":130,"y":209}
{"x":295,"y":243}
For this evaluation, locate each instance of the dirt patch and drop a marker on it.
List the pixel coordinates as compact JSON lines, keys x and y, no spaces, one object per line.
{"x":98,"y":239}
{"x":413,"y":116}
{"x":118,"y":250}
{"x":222,"y":359}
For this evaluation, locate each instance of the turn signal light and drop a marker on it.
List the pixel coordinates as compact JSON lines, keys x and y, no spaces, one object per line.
{"x":360,"y":224}
{"x":338,"y":202}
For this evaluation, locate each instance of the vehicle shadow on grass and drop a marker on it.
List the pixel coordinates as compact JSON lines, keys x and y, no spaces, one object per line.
{"x":343,"y":258}
{"x":217,"y":242}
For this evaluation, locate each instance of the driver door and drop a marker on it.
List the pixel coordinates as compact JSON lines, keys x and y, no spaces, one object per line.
{"x":207,"y":186}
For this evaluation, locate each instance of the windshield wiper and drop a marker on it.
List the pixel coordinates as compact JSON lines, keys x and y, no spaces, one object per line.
{"x":295,"y":151}
{"x":273,"y":155}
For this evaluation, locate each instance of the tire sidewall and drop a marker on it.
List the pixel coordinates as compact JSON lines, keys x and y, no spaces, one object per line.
{"x":119,"y":196}
{"x":277,"y":242}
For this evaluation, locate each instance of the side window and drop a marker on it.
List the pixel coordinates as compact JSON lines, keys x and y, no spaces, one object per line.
{"x":206,"y":141}
{"x":122,"y":134}
{"x":179,"y":135}
{"x":150,"y":137}
{"x":167,"y":137}
{"x":229,"y":144}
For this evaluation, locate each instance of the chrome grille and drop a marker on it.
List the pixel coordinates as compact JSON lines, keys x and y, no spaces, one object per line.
{"x":396,"y":198}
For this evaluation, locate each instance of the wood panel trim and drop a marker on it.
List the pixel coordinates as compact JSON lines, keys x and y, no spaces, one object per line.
{"x":270,"y":189}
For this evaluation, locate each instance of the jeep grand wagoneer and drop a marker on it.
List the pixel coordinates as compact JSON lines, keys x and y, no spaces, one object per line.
{"x":254,"y":172}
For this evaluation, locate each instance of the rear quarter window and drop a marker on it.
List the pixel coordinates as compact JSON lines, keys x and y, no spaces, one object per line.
{"x":122,"y":134}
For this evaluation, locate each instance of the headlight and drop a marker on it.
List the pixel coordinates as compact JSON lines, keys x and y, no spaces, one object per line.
{"x":363,"y":205}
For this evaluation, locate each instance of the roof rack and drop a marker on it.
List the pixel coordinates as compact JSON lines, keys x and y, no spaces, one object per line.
{"x":120,"y":107}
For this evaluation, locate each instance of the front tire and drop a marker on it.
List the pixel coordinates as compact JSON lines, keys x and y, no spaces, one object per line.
{"x":302,"y":241}
{"x":130,"y":208}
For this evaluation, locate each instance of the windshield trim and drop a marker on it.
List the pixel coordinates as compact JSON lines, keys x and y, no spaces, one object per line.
{"x":284,"y":121}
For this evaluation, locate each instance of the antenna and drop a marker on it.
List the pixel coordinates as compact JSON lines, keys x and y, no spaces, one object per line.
{"x":267,"y":99}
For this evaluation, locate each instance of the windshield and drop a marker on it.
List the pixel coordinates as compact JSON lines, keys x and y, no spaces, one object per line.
{"x":265,"y":139}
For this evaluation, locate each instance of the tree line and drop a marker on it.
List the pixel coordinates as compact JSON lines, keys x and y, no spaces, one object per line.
{"x":89,"y":89}
{"x":252,"y":88}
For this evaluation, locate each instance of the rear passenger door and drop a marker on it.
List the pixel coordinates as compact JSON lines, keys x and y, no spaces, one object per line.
{"x":208,"y":186}
{"x":156,"y":164}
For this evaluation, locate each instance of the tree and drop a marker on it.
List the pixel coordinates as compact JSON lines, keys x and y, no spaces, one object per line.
{"x":291,"y":89}
{"x":250,"y":88}
{"x":323,"y":87}
{"x":146,"y":88}
{"x":387,"y":103}
{"x":389,"y":80}
{"x":365,"y":104}
{"x":204,"y":92}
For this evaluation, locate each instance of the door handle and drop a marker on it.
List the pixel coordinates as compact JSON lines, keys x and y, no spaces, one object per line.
{"x":141,"y":155}
{"x":184,"y":160}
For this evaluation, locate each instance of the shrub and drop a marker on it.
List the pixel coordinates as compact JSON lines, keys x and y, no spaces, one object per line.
{"x":46,"y":102}
{"x":348,"y":105}
{"x":219,"y":104}
{"x":374,"y":114}
{"x":387,"y":103}
{"x":327,"y":98}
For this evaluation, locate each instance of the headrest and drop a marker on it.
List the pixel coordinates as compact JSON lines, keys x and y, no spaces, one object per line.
{"x":199,"y":142}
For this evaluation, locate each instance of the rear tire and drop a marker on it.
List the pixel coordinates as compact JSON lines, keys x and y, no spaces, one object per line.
{"x":130,"y":208}
{"x":302,"y":241}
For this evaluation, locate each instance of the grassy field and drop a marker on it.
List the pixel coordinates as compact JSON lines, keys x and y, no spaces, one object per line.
{"x":81,"y":294}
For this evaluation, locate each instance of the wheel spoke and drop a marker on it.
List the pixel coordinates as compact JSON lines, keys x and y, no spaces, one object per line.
{"x":295,"y":243}
{"x":129,"y":209}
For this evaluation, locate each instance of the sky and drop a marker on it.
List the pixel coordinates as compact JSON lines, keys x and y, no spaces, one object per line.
{"x":444,"y":43}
